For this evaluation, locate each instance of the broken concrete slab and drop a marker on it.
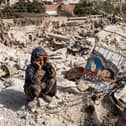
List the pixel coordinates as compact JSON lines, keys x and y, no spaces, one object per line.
{"x":70,"y":102}
{"x":57,"y":36}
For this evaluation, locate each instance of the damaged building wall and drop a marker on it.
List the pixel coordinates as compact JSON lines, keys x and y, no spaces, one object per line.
{"x":10,"y":2}
{"x":54,"y":9}
{"x":33,"y":20}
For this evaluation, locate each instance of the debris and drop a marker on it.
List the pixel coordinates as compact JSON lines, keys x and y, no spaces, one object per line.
{"x":52,"y":104}
{"x":41,"y":102}
{"x":74,"y":74}
{"x":60,"y":37}
{"x":1,"y":118}
{"x":1,"y":105}
{"x":69,"y":43}
{"x":82,"y":87}
{"x":102,"y":63}
{"x":121,"y":119}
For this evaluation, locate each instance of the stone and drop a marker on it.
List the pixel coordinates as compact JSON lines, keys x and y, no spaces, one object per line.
{"x":41,"y":102}
{"x":82,"y":87}
{"x":55,"y":122}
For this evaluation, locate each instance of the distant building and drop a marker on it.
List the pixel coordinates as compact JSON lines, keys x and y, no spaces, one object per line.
{"x":56,"y":5}
{"x":118,"y":1}
{"x":63,"y":1}
{"x":71,"y":1}
{"x":51,"y":9}
{"x":12,"y":2}
{"x":111,"y":1}
{"x":9,"y":2}
{"x":51,"y":6}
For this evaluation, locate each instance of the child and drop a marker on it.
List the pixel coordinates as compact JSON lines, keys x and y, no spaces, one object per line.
{"x":40,"y":76}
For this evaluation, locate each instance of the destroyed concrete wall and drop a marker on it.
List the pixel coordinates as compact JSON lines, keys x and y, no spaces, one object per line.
{"x":8,"y":21}
{"x":11,"y":2}
{"x":69,"y":8}
{"x":69,"y":42}
{"x":53,"y":9}
{"x":33,"y":20}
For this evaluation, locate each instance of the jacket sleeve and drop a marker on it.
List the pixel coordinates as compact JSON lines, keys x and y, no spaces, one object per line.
{"x":49,"y":70}
{"x":30,"y":76}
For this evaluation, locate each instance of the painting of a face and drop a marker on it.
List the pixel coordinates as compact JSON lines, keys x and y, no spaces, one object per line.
{"x":106,"y":73}
{"x":93,"y":66}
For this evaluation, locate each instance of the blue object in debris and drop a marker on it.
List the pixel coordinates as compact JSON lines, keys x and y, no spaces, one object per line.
{"x":97,"y":62}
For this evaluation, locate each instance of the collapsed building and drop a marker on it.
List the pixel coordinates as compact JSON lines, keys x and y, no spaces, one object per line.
{"x":70,"y":43}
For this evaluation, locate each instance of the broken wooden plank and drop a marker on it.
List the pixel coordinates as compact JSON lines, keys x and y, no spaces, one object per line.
{"x":84,"y":18}
{"x":58,"y":36}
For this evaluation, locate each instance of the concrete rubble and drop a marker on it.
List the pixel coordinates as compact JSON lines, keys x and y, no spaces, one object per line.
{"x":69,"y":46}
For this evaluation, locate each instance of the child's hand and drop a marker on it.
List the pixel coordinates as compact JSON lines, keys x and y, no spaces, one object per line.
{"x":53,"y":74}
{"x":37,"y":63}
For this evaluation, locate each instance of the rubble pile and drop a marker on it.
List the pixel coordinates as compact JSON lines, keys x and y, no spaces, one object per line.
{"x":68,"y":45}
{"x":113,"y":37}
{"x":58,"y":32}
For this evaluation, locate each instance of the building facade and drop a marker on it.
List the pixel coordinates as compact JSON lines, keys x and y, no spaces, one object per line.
{"x":12,"y":2}
{"x":118,"y":1}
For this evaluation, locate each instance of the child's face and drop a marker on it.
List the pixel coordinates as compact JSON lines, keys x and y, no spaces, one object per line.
{"x":39,"y":61}
{"x":106,"y":73}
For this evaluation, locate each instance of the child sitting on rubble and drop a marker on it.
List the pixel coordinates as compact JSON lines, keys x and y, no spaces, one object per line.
{"x":40,"y":76}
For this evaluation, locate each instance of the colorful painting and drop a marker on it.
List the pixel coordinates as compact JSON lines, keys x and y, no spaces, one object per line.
{"x":101,"y":68}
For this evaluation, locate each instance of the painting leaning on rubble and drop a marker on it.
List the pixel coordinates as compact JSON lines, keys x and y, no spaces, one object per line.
{"x":101,"y":69}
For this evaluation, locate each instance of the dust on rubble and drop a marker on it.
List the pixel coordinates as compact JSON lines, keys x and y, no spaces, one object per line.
{"x":69,"y":44}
